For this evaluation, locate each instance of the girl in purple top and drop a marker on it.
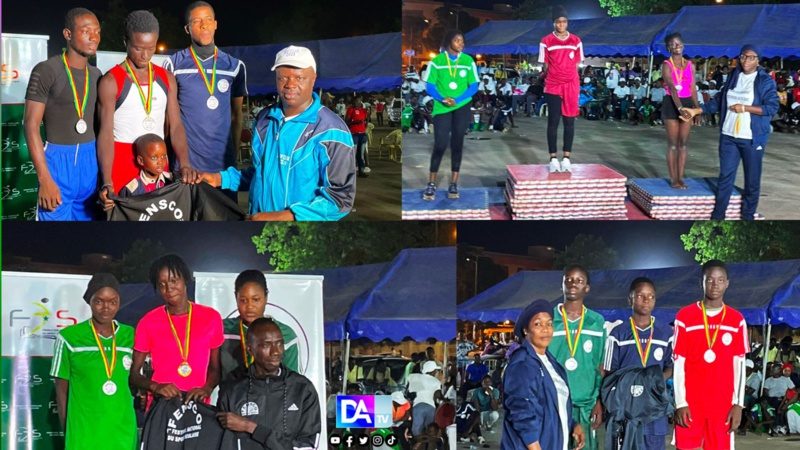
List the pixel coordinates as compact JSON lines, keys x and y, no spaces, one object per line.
{"x":681,"y":94}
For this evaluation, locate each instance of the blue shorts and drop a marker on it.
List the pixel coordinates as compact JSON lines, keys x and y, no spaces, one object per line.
{"x":74,"y":170}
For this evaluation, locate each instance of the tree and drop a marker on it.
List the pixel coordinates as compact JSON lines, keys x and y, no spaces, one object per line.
{"x":618,"y":8}
{"x":589,"y":251}
{"x":533,"y":10}
{"x":745,"y":241}
{"x":136,"y":261}
{"x":112,"y":25}
{"x":308,"y":246}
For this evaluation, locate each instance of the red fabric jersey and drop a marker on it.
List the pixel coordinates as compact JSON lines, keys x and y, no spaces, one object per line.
{"x":359,"y":117}
{"x":562,"y":57}
{"x":710,"y":387}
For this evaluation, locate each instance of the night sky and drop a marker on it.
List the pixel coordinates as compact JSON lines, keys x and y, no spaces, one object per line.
{"x":639,"y":245}
{"x":577,"y":9}
{"x":238,"y":22}
{"x":205,"y":246}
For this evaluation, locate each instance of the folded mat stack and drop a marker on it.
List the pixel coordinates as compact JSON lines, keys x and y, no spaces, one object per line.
{"x":590,"y":191}
{"x":472,"y":204}
{"x":657,"y":198}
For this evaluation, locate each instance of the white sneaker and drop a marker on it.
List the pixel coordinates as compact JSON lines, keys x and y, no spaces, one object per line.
{"x":481,"y":440}
{"x":367,"y":170}
{"x":464,"y":440}
{"x":566,"y":165}
{"x":555,"y":166}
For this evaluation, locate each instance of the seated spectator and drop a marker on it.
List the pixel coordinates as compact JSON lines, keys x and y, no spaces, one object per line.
{"x":478,"y":111}
{"x":752,"y":385}
{"x":431,"y":440}
{"x":380,"y":375}
{"x":775,"y":389}
{"x":621,"y":99}
{"x":586,"y":95}
{"x":657,"y":94}
{"x":790,"y":123}
{"x":468,"y":426}
{"x":502,"y":118}
{"x":535,"y":97}
{"x":783,"y":99}
{"x":639,"y":92}
{"x":645,"y":113}
{"x":487,"y":401}
{"x":151,"y":158}
{"x":519,"y":94}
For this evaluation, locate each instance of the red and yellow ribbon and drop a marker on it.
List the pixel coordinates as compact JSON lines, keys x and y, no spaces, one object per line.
{"x":80,"y":106}
{"x":209,"y":86}
{"x":705,"y":324}
{"x":643,"y":356}
{"x":109,"y":367}
{"x":245,"y":357}
{"x":147,"y":102}
{"x":182,"y":348}
{"x":572,"y":345}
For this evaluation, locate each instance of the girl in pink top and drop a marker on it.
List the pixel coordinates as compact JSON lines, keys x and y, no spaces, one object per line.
{"x":681,"y":94}
{"x":182,"y":338}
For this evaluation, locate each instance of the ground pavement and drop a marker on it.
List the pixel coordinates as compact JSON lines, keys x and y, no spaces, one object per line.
{"x":634,"y":151}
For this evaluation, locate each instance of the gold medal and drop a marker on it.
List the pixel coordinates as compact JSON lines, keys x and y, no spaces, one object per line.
{"x":184,"y":369}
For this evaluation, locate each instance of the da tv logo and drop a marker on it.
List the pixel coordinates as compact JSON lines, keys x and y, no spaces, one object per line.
{"x":363,"y":411}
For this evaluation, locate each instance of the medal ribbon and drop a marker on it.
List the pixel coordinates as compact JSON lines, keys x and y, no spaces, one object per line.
{"x":643,"y":356}
{"x":109,"y":367}
{"x":188,"y":332}
{"x":677,"y":76}
{"x":147,"y":102}
{"x":247,"y":358}
{"x":80,"y":106}
{"x":209,"y":86}
{"x":450,"y":69}
{"x":705,"y":325}
{"x":572,"y":345}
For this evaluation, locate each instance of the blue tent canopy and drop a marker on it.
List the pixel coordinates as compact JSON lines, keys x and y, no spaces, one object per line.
{"x":341,"y":288}
{"x":354,"y":64}
{"x":416,"y":298}
{"x":785,"y":306}
{"x":751,"y":290}
{"x":713,"y":31}
{"x":708,"y":31}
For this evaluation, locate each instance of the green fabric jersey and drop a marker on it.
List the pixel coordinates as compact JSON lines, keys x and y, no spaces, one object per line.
{"x":442,"y":72}
{"x":232,"y":359}
{"x":585,"y":380}
{"x":92,"y":416}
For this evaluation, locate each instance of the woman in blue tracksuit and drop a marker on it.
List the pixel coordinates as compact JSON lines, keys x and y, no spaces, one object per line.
{"x":745,"y":103}
{"x":537,"y":404}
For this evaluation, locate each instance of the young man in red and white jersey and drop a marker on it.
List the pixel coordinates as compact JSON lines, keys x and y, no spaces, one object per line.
{"x":709,"y":372}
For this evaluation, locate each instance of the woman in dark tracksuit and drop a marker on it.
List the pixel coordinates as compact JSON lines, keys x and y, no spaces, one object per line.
{"x":537,"y":404}
{"x":745,"y":103}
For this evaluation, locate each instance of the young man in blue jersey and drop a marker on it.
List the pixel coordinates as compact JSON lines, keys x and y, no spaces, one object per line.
{"x":303,"y":161}
{"x":211,"y":86}
{"x":642,"y":341}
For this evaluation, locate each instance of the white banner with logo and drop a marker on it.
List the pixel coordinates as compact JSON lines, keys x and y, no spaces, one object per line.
{"x":36,"y":306}
{"x":295,"y":300}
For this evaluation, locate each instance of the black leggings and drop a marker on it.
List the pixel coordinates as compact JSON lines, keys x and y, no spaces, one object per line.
{"x":452,"y":127}
{"x":553,"y":116}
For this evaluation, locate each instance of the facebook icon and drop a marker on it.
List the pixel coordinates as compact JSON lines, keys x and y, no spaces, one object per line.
{"x":363,"y":411}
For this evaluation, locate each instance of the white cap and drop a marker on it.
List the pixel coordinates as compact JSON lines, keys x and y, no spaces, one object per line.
{"x":587,"y":80}
{"x":299,"y":57}
{"x":749,"y":363}
{"x":637,"y":79}
{"x":795,"y":105}
{"x":399,"y":398}
{"x":429,"y":367}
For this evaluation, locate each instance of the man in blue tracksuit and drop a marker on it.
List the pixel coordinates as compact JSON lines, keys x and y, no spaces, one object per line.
{"x":303,"y":162}
{"x":746,"y":103}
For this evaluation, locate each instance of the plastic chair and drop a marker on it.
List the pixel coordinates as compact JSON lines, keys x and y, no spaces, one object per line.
{"x":393,"y":142}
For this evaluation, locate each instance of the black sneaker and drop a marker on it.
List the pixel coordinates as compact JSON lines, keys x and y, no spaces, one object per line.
{"x":452,"y":191}
{"x":430,"y":192}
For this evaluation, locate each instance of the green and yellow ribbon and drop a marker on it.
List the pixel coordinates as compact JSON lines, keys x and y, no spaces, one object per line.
{"x":80,"y":106}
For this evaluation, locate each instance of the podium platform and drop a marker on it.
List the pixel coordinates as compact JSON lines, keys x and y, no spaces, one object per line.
{"x":473,"y":204}
{"x":657,"y":198}
{"x":590,"y":191}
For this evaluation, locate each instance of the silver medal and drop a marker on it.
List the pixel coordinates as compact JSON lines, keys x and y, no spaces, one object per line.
{"x":453,"y":85}
{"x":678,"y":87}
{"x":81,"y":126}
{"x":109,"y":388}
{"x":571,"y":364}
{"x":709,"y":356}
{"x":149,"y":123}
{"x":212,"y":102}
